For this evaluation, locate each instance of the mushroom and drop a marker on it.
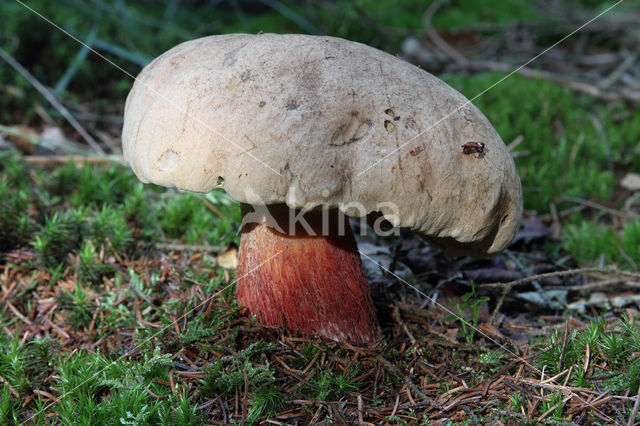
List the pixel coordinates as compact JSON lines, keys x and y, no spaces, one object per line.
{"x":305,"y":131}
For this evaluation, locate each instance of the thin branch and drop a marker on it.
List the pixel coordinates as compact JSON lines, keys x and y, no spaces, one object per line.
{"x":576,"y":85}
{"x":634,"y":412}
{"x":581,"y":271}
{"x":619,"y":71}
{"x":186,"y":247}
{"x":592,"y":204}
{"x":536,"y":284}
{"x":438,"y":41}
{"x":77,"y":159}
{"x":52,"y":100}
{"x":70,"y":146}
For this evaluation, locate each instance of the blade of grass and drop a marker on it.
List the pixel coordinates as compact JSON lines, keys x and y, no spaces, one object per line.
{"x":52,"y":100}
{"x":113,"y":49}
{"x":292,"y":15}
{"x":66,"y":78}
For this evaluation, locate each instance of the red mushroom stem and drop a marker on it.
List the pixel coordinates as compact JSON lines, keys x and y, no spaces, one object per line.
{"x":307,"y":280}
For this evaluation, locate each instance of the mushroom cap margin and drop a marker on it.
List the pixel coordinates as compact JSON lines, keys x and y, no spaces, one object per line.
{"x":321,"y":121}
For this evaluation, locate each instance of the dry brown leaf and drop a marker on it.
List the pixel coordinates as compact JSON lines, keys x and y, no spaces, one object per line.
{"x":228,"y":259}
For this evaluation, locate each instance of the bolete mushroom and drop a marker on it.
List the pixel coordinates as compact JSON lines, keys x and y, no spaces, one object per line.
{"x":303,"y":130}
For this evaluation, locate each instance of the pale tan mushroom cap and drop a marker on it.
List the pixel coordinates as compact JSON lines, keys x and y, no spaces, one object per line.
{"x":301,"y":119}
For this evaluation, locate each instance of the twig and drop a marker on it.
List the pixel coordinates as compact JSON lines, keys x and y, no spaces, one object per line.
{"x":52,"y":100}
{"x":223,"y":409}
{"x":429,"y":60}
{"x":395,"y":407}
{"x":627,"y":258}
{"x":435,"y":37}
{"x":186,"y":247}
{"x":17,"y":313}
{"x":507,"y":289}
{"x":213,"y":208}
{"x":536,"y":284}
{"x":580,"y":271}
{"x":11,"y":388}
{"x":598,"y":284}
{"x":592,"y":204}
{"x":396,"y":316}
{"x":77,"y":159}
{"x":550,"y":410}
{"x":634,"y":412}
{"x":576,"y":85}
{"x":408,"y":382}
{"x":620,"y":69}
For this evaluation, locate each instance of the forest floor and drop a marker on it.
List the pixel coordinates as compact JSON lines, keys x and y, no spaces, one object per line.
{"x":116,"y":304}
